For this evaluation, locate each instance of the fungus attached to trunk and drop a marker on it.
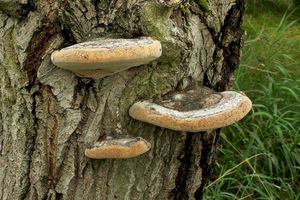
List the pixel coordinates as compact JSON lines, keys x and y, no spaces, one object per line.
{"x":193,"y":110}
{"x":118,"y":148}
{"x":104,"y":57}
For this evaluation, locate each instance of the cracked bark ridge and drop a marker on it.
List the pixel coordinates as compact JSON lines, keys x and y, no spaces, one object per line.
{"x":48,"y":116}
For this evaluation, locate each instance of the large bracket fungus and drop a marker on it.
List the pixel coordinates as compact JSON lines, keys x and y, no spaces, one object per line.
{"x":193,"y":110}
{"x":103,"y":57}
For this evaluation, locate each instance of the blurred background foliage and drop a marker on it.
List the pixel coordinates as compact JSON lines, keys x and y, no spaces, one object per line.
{"x":259,"y":157}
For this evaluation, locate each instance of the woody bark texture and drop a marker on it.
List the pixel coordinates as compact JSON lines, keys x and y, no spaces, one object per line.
{"x":48,"y":116}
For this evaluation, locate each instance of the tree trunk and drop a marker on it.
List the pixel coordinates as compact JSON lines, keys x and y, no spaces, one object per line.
{"x":49,"y":115}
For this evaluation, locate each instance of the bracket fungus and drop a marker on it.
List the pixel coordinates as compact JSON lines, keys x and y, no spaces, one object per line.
{"x":118,"y":148}
{"x":193,"y":110}
{"x":104,"y":57}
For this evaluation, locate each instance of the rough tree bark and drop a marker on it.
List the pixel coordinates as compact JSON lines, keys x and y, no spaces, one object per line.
{"x":48,"y":116}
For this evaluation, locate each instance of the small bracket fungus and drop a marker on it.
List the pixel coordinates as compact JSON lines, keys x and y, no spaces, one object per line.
{"x":118,"y":148}
{"x":103,"y":57}
{"x":193,"y":110}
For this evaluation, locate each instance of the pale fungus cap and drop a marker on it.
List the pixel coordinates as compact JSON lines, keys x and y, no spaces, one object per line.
{"x":104,"y":57}
{"x":118,"y":148}
{"x":185,"y":112}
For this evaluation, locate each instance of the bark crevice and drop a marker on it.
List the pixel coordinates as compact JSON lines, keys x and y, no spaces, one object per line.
{"x":180,"y":191}
{"x":35,"y":53}
{"x":231,"y":43}
{"x":209,"y":142}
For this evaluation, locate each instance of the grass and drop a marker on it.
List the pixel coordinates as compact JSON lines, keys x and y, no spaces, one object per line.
{"x":260,"y":156}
